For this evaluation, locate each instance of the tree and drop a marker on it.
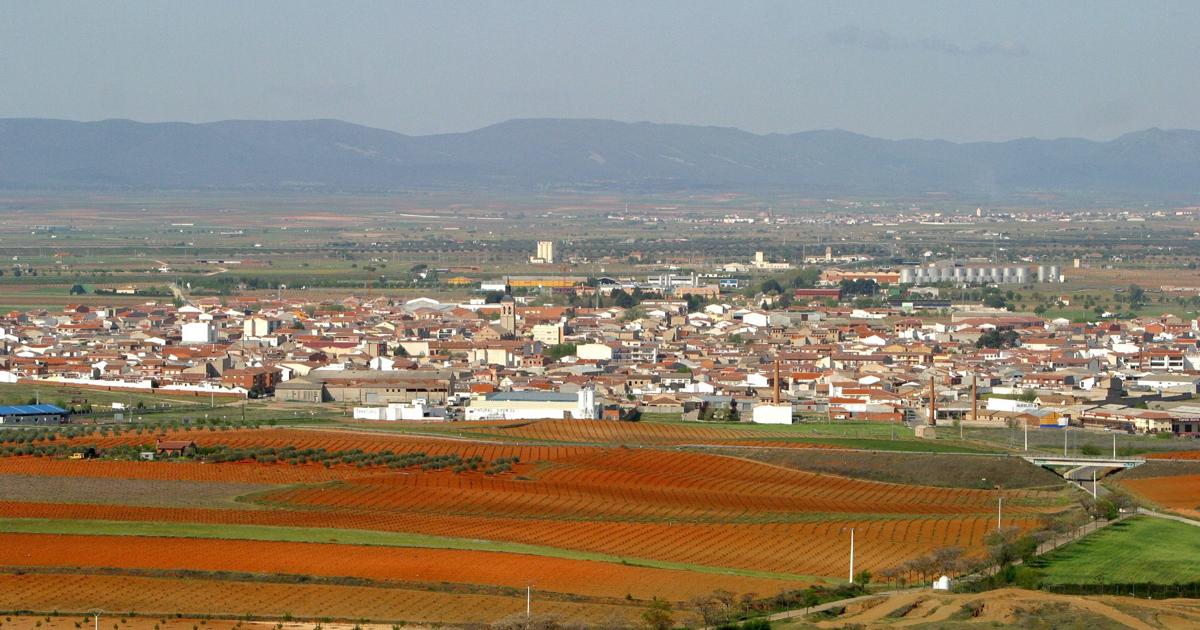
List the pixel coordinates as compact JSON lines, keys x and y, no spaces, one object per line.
{"x":622,"y":299}
{"x":78,"y":289}
{"x":995,"y":300}
{"x":558,"y":351}
{"x":998,"y":339}
{"x":806,"y":278}
{"x":1137,"y":296}
{"x":771,"y":286}
{"x":859,"y":287}
{"x":658,"y":615}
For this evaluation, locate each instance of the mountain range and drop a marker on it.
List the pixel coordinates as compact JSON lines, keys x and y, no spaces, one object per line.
{"x":578,"y":155}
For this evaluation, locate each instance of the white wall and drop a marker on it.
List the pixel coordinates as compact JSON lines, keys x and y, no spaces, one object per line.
{"x":199,"y":332}
{"x":772,"y":414}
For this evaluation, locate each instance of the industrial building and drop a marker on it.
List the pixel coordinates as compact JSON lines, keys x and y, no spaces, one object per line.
{"x":32,"y":414}
{"x":545,"y":253}
{"x":956,"y":274}
{"x":367,"y":387}
{"x":534,"y":405}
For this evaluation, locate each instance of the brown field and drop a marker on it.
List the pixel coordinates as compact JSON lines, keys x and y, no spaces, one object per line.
{"x":1181,"y":455}
{"x":1120,"y":278}
{"x":408,"y":566}
{"x":159,"y":597}
{"x":1014,"y":608}
{"x":1178,"y":493}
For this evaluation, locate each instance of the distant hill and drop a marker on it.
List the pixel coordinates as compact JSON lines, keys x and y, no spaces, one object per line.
{"x":584,"y":155}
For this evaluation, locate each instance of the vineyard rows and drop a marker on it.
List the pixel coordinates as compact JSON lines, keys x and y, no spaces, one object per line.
{"x":803,"y":548}
{"x":378,"y":563}
{"x":168,"y":596}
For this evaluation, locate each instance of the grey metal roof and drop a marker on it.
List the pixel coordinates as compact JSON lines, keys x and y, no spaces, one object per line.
{"x":30,"y":410}
{"x":533,"y":396}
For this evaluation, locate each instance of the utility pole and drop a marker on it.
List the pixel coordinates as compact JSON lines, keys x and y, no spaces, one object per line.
{"x":851,"y":555}
{"x":1025,"y":423}
{"x":999,"y":511}
{"x":1093,"y":483}
{"x":528,"y":601}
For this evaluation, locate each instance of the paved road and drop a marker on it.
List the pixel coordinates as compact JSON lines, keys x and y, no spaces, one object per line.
{"x":1083,"y":476}
{"x":1171,"y":517}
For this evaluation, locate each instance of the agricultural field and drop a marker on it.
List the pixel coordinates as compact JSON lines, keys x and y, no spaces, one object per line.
{"x":1176,"y":493}
{"x":1138,"y":550}
{"x":944,"y":470}
{"x":598,"y":522}
{"x":811,"y":435}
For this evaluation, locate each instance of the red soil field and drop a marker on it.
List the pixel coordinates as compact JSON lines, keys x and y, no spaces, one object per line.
{"x":395,"y":564}
{"x":644,"y":484}
{"x":335,"y":441}
{"x":1186,"y":455}
{"x":1178,"y":493}
{"x":669,"y":505}
{"x":241,"y":472}
{"x":193,"y":597}
{"x":800,"y":548}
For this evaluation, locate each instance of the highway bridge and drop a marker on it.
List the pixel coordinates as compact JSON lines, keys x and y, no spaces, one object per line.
{"x":1090,"y":462}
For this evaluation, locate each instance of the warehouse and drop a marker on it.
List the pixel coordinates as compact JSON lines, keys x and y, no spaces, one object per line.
{"x":534,"y":405}
{"x":32,"y":414}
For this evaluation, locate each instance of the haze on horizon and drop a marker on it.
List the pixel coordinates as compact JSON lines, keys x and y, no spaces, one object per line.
{"x":959,"y":71}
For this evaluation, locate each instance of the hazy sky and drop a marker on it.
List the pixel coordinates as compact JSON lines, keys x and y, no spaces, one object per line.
{"x":958,"y":70}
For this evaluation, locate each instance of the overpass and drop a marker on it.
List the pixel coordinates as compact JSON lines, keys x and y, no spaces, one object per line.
{"x":1089,"y":462}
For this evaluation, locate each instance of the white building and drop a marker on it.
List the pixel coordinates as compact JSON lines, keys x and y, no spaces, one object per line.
{"x":760,"y":262}
{"x":535,"y":405}
{"x":199,"y":332}
{"x":594,"y":352}
{"x":549,"y":334}
{"x":255,"y":327}
{"x":545,"y":253}
{"x":772,"y":414}
{"x":397,"y":411}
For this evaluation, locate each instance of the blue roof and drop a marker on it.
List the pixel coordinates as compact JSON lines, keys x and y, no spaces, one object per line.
{"x":30,"y":410}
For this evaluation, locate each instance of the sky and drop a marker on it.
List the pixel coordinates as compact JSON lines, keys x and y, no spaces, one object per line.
{"x":957,"y":70}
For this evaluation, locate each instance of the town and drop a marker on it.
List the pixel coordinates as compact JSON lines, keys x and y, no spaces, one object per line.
{"x":699,"y":347}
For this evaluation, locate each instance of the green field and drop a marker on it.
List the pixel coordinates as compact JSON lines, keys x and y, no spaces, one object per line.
{"x":1139,"y":550}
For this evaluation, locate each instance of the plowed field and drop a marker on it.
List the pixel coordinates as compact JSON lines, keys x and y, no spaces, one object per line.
{"x":168,"y":596}
{"x":392,"y":564}
{"x":1179,"y":493}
